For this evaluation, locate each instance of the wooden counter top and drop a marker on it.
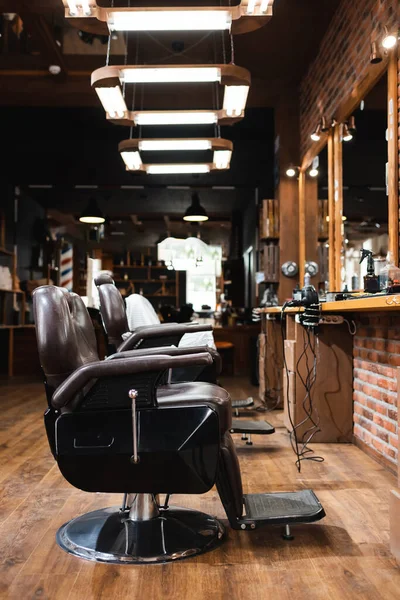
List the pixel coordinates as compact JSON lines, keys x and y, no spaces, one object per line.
{"x":373,"y":303}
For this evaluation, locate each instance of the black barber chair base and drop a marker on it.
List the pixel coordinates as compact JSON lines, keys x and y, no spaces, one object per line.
{"x":279,"y":508}
{"x":247,"y":428}
{"x":109,"y":535}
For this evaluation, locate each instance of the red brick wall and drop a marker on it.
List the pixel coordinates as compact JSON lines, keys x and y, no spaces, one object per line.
{"x":342,"y":59}
{"x":376,"y":358}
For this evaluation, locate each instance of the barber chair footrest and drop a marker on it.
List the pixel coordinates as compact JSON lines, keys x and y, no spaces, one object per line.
{"x":253,"y":427}
{"x":280,"y":508}
{"x":109,"y":536}
{"x":244,"y":403}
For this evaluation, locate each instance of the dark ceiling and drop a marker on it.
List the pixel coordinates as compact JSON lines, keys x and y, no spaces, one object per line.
{"x":277,"y":55}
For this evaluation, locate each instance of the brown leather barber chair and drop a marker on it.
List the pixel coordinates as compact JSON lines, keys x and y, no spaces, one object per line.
{"x":113,"y":315}
{"x":115,"y":325}
{"x":113,"y":428}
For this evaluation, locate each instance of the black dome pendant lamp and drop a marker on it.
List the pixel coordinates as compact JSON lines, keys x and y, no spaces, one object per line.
{"x":195,"y":212}
{"x":92,"y":214}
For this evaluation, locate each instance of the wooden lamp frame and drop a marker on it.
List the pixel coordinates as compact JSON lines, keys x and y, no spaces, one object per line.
{"x":133,"y":145}
{"x":97,"y":21}
{"x":231,"y":75}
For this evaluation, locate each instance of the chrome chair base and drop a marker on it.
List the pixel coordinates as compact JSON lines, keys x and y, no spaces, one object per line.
{"x":110,"y":536}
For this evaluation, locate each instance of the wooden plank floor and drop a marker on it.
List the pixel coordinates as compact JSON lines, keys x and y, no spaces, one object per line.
{"x":345,"y":556}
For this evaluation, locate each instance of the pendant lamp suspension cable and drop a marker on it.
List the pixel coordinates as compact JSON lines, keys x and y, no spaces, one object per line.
{"x":109,"y":42}
{"x":215,"y":88}
{"x":232,"y":46}
{"x":223,"y":42}
{"x":134,"y":85}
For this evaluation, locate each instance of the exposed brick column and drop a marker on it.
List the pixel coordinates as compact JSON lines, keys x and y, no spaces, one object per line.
{"x":376,"y":358}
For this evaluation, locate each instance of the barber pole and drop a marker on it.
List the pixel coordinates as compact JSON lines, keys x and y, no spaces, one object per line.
{"x":66,"y":267}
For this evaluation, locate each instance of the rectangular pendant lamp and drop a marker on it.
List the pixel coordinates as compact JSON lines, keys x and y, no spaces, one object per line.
{"x":191,"y":18}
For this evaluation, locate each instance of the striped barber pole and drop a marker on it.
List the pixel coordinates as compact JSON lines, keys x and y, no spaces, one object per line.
{"x":66,"y":268}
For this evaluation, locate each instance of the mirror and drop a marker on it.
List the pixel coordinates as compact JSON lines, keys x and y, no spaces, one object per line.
{"x":323,"y":221}
{"x":365,"y":200}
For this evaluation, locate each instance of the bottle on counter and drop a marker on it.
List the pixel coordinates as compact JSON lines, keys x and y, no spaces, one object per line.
{"x":389,"y":277}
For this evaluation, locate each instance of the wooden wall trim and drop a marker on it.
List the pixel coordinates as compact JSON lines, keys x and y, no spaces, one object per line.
{"x":331,"y":213}
{"x":393,"y":157}
{"x":338,"y":202}
{"x":302,"y":225}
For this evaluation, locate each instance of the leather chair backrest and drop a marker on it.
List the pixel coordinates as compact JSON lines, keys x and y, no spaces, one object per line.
{"x":64,"y":332}
{"x":112,"y":310}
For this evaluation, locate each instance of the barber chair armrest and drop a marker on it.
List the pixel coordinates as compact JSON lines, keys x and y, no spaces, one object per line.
{"x":68,"y":390}
{"x":172,"y":351}
{"x":158,"y":331}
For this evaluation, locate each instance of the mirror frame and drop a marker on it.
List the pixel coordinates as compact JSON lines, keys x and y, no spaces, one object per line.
{"x":335,"y":169}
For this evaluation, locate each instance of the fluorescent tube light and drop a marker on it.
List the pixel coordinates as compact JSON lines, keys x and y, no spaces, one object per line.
{"x":170,"y":75}
{"x":154,"y":145}
{"x":176,"y":118}
{"x":235,"y":98}
{"x":177,"y":169}
{"x":84,"y":4}
{"x":132,"y":160}
{"x":171,"y":20}
{"x":112,"y":100}
{"x":222,"y":159}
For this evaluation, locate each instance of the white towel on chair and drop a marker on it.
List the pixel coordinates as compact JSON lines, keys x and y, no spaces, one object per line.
{"x":140,"y":312}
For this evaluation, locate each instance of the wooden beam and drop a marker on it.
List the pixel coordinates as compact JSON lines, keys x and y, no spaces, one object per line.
{"x":331,"y":213}
{"x":338,"y":203}
{"x":41,"y":31}
{"x":393,"y":157}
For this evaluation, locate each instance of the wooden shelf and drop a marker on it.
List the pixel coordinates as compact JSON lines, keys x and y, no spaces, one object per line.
{"x":138,"y":267}
{"x":166,"y":281}
{"x":12,"y":291}
{"x":7,"y":252}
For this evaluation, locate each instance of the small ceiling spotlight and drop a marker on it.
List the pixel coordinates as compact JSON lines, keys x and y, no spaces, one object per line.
{"x":313,"y":172}
{"x":54,"y":69}
{"x":92,"y":214}
{"x":291,"y":171}
{"x":375,"y":56}
{"x":347,"y":136}
{"x":195,"y":212}
{"x":390,"y":40}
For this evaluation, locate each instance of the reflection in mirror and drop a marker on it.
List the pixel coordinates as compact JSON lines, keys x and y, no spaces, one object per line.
{"x":323,"y":222}
{"x":365,"y":202}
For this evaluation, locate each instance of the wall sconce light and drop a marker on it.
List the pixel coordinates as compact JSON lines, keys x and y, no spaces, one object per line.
{"x":351,"y":124}
{"x":320,"y":128}
{"x":390,"y":40}
{"x":347,"y":136}
{"x":375,"y":56}
{"x":292,"y":171}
